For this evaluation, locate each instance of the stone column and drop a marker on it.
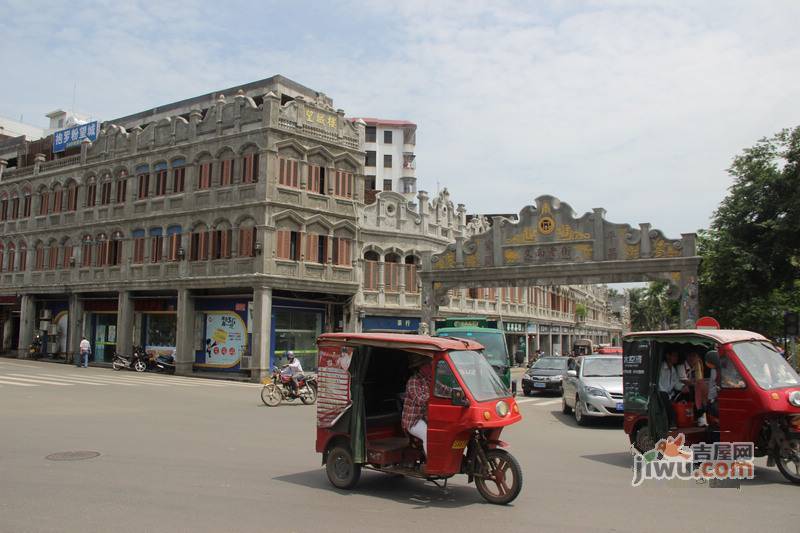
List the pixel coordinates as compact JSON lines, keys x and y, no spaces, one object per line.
{"x":27,"y":323}
{"x":261,"y":345}
{"x":75,"y":326}
{"x":689,"y":299}
{"x":184,"y":343}
{"x":124,"y":323}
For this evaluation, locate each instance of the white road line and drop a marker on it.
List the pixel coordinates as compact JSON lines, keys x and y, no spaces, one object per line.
{"x":551,"y":402}
{"x":97,"y":380}
{"x":15,"y":364}
{"x":23,"y":377}
{"x":81,"y":381}
{"x":528,"y":400}
{"x":18,"y":384}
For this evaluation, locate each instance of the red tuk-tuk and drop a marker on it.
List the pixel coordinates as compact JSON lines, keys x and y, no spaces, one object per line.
{"x":362,"y":382}
{"x":758,"y":393}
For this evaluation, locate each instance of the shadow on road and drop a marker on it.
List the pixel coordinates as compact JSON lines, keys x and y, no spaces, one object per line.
{"x":605,"y":423}
{"x":413,"y":492}
{"x":620,"y":459}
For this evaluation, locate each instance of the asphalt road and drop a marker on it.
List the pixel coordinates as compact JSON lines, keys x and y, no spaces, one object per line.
{"x":183,"y":454}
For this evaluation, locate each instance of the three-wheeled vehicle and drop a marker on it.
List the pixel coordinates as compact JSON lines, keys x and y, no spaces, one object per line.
{"x":362,"y":382}
{"x":758,"y":397}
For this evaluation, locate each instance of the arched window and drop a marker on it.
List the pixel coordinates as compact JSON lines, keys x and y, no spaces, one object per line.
{"x":342,"y":248}
{"x":11,"y":259}
{"x":44,"y":201}
{"x":91,"y":192}
{"x":52,"y":255}
{"x":199,"y":240}
{"x":250,"y":165}
{"x":142,"y":182}
{"x":161,"y":179}
{"x":122,"y":186}
{"x":86,"y":251}
{"x":221,"y":241}
{"x":174,"y":236}
{"x":38,"y":262}
{"x":115,"y":249}
{"x":105,"y":191}
{"x":101,"y":244}
{"x":26,"y":203}
{"x":14,"y":206}
{"x":4,"y":206}
{"x":287,"y":241}
{"x":66,"y":256}
{"x":247,"y":239}
{"x":58,"y":198}
{"x":288,"y":174}
{"x":178,"y":175}
{"x":226,"y":160}
{"x":411,"y":264}
{"x":2,"y":251}
{"x":138,"y":246}
{"x":391,"y":272}
{"x":156,"y":245}
{"x":23,"y":256}
{"x":72,"y":196}
{"x":204,"y":168}
{"x":371,"y":260}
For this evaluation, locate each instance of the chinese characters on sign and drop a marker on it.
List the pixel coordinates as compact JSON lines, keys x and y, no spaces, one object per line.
{"x":322,"y":119}
{"x":226,"y":338}
{"x":73,"y":136}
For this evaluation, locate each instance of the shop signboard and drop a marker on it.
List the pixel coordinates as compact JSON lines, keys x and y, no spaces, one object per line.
{"x":532,"y":329}
{"x":514,"y":327}
{"x":544,"y":328}
{"x":74,"y":135}
{"x":225,"y":338}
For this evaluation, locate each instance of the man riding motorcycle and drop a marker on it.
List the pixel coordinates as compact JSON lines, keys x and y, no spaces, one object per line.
{"x":294,"y":370}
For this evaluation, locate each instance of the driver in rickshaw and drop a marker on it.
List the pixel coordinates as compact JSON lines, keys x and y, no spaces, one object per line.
{"x":415,"y":406}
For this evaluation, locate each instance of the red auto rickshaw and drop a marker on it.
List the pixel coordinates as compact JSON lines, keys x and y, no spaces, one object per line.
{"x":362,"y":380}
{"x":758,"y":397}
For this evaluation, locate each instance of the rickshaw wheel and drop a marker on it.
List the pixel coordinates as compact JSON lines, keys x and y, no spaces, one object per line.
{"x":788,"y":466}
{"x":642,"y":441}
{"x":342,"y":472}
{"x":308,"y":396}
{"x":270,"y":395}
{"x":504,"y":478}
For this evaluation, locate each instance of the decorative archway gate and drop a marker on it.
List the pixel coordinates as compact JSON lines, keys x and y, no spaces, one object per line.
{"x":550,"y":246}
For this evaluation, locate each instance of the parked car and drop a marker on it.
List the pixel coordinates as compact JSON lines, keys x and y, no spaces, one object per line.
{"x":547,"y":374}
{"x":593,"y":388}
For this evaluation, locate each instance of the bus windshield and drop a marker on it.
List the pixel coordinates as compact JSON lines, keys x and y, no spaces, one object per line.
{"x":768,"y":368}
{"x":478,"y":376}
{"x":493,"y":341}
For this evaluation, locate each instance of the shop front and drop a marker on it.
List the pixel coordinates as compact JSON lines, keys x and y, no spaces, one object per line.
{"x":52,"y":324}
{"x":221,"y":332}
{"x":156,"y":325}
{"x":101,"y":321}
{"x":296,"y":326}
{"x":515,"y":337}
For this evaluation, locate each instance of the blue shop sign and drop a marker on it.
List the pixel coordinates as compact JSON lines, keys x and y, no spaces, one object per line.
{"x":73,"y":136}
{"x":390,"y":323}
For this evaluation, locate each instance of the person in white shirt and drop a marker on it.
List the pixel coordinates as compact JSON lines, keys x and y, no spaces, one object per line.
{"x":85,"y":349}
{"x":294,"y":370}
{"x":671,"y":382}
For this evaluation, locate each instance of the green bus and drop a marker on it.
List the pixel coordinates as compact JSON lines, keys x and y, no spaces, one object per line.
{"x":493,"y":340}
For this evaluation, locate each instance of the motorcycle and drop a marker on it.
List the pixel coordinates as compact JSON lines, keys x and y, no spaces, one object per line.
{"x":35,"y":348}
{"x":278,"y":388}
{"x":138,"y":361}
{"x":165,"y":363}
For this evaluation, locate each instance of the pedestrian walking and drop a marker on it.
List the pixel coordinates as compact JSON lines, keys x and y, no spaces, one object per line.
{"x":85,"y":350}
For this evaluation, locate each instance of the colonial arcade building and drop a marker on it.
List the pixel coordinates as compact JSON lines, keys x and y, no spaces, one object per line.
{"x":229,"y":228}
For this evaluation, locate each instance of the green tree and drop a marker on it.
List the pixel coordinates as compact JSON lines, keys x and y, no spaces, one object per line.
{"x":652,"y":307}
{"x":751,"y":254}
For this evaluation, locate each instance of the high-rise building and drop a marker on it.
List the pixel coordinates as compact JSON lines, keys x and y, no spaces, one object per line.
{"x":390,"y":160}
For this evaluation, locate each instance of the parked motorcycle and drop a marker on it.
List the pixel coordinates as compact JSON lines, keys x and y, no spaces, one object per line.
{"x":139,"y":361}
{"x":165,"y":363}
{"x":35,"y":348}
{"x":279,"y":389}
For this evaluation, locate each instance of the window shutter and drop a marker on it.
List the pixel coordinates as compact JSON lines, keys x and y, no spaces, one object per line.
{"x":311,"y":247}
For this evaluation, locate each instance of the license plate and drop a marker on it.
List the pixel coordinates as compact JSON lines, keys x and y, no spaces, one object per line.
{"x":620,"y":406}
{"x":540,"y":385}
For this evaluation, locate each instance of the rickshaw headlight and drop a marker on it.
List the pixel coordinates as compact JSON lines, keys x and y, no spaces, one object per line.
{"x":794,"y":398}
{"x":501,"y":408}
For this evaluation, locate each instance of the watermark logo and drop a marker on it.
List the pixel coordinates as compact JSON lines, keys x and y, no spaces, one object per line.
{"x":671,"y":459}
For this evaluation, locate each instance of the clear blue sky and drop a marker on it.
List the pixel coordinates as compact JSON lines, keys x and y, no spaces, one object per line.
{"x":637,"y":107}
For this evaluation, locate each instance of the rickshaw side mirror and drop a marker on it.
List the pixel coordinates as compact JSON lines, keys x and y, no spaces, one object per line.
{"x":457,"y":397}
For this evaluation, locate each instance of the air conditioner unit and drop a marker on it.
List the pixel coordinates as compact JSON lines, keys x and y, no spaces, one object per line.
{"x":52,"y":329}
{"x":45,"y":314}
{"x":44,"y":325}
{"x":245,"y":363}
{"x":52,"y":347}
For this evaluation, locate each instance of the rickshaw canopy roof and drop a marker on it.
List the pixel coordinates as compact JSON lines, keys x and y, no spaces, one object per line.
{"x":402,"y":342}
{"x":721,"y":336}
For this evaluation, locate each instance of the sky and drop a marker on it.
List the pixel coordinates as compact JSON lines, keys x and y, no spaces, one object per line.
{"x":635,"y":106}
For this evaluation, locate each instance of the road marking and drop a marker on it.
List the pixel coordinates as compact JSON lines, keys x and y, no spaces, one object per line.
{"x":551,"y":402}
{"x":18,"y":384}
{"x":539,"y":401}
{"x":98,"y":380}
{"x":23,"y":377}
{"x":81,"y":381}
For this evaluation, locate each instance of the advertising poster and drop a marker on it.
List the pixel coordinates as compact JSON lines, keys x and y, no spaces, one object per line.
{"x":225,"y":338}
{"x":334,"y":384}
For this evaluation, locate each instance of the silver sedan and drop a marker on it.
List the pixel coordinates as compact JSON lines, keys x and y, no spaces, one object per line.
{"x":593,"y":388}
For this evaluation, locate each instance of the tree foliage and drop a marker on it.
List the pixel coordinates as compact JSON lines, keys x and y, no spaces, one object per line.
{"x":653,"y":308}
{"x":751,"y":254}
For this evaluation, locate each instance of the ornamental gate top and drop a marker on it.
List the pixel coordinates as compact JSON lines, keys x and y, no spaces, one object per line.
{"x":549,"y":232}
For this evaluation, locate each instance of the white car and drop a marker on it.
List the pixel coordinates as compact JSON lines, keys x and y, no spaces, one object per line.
{"x":593,"y":388}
